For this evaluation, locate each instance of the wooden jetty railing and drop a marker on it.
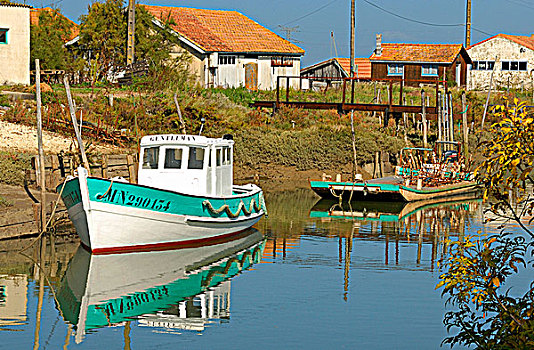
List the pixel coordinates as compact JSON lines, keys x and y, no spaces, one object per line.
{"x":348,"y":102}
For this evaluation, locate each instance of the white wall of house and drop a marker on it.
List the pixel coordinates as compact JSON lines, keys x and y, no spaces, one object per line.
{"x":500,"y":50}
{"x":228,"y":71}
{"x":15,"y":52}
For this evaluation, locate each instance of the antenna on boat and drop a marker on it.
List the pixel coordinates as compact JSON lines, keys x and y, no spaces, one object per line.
{"x":202,"y":120}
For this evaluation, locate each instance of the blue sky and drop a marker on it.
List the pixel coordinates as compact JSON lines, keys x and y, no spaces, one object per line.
{"x":316,"y":19}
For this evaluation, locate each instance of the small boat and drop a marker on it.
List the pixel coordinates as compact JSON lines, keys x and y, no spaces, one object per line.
{"x":185,"y":195}
{"x":383,"y":211}
{"x":184,"y":288}
{"x":429,"y":174}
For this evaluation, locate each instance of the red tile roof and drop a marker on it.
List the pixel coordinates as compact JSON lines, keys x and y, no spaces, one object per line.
{"x":421,"y":53}
{"x":34,"y":20}
{"x":526,"y":41}
{"x":223,"y":31}
{"x":363,"y":64}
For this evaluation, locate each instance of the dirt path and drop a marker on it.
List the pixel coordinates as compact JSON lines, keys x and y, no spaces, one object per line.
{"x":23,"y":138}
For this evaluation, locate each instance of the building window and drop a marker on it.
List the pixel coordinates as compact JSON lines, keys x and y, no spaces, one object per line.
{"x":395,"y":69}
{"x":514,"y":66}
{"x":429,"y":70}
{"x":3,"y":36}
{"x":226,"y":60}
{"x":483,"y":65}
{"x":281,"y":61}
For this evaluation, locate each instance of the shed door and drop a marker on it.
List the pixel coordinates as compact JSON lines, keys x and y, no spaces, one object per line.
{"x":251,"y":76}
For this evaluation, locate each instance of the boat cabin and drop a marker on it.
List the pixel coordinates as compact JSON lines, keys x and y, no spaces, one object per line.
{"x":189,"y":164}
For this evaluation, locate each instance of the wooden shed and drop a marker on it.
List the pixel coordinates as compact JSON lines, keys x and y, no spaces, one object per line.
{"x":420,"y":62}
{"x":338,"y":67}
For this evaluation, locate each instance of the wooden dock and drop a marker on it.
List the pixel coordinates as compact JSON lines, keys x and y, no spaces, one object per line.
{"x":394,"y":107}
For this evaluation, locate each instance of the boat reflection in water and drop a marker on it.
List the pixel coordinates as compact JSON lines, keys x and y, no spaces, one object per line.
{"x":383,"y":211}
{"x":171,"y":289}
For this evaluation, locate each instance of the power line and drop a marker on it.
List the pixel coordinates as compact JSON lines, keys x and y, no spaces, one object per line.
{"x":312,"y":12}
{"x":423,"y":22}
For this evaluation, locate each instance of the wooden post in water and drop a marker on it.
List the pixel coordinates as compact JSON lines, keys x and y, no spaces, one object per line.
{"x":438,"y":106}
{"x":451,"y":119}
{"x":75,"y":124}
{"x":423,"y":117}
{"x":41,"y":266}
{"x":464,"y":124}
{"x":42,"y":178}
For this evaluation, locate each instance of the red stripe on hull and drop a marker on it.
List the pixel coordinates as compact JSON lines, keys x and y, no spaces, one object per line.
{"x":194,"y":243}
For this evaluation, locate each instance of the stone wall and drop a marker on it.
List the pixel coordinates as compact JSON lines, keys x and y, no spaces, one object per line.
{"x":500,"y":49}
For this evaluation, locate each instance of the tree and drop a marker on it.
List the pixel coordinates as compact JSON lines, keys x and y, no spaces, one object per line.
{"x":47,"y":40}
{"x":490,"y":313}
{"x":103,"y":35}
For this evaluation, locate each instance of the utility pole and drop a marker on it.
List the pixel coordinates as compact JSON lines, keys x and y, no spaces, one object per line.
{"x":468,"y":25}
{"x":352,"y":35}
{"x":131,"y":33}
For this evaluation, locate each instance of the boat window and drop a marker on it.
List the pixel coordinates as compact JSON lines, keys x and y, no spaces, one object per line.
{"x":227,"y":156}
{"x":219,"y":156}
{"x":173,"y":158}
{"x":150,"y":157}
{"x":196,"y":158}
{"x":209,"y":159}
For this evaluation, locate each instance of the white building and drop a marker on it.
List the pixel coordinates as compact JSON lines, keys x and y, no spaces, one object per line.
{"x":229,"y":49}
{"x":510,"y":57}
{"x":14,"y":44}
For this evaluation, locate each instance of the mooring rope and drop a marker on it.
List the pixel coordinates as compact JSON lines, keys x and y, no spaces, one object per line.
{"x":100,"y":196}
{"x":241,"y":207}
{"x":49,"y":219}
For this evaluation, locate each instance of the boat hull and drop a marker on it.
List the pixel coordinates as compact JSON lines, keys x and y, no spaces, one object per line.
{"x":386,"y":190}
{"x":120,"y":217}
{"x":389,"y":189}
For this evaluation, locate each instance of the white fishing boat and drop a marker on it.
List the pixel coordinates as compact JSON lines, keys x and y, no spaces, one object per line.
{"x":184,"y":196}
{"x":155,"y":287}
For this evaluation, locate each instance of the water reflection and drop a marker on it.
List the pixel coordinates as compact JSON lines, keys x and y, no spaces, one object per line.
{"x":396,"y":225}
{"x":173,"y":289}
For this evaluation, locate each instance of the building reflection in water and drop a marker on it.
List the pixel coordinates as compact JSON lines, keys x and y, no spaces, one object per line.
{"x":397,"y":225}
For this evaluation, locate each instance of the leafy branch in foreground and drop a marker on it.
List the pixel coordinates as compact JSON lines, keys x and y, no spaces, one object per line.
{"x":490,"y":310}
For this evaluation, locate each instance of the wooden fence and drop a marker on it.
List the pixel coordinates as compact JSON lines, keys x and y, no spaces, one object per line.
{"x":58,"y":167}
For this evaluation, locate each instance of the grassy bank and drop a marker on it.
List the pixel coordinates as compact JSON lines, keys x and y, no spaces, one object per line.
{"x":304,"y":139}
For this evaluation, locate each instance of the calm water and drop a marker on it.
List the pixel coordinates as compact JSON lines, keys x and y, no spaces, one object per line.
{"x":312,"y":275}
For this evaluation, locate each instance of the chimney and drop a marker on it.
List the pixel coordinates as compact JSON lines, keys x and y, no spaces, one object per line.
{"x":378,"y":50}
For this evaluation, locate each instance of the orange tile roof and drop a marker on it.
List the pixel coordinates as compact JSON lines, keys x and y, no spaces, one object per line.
{"x":363,"y":64}
{"x":34,"y":20}
{"x":526,"y":41}
{"x":418,"y":53}
{"x":223,"y":31}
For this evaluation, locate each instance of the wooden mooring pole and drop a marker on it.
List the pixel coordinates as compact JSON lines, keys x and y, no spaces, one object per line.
{"x":464,"y":124}
{"x":42,"y":177}
{"x":423,"y":117}
{"x":75,"y":124}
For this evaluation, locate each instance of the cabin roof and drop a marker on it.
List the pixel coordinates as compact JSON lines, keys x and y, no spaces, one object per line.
{"x":222,"y":31}
{"x":421,"y":53}
{"x":363,"y":64}
{"x":177,"y":139}
{"x":523,"y":40}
